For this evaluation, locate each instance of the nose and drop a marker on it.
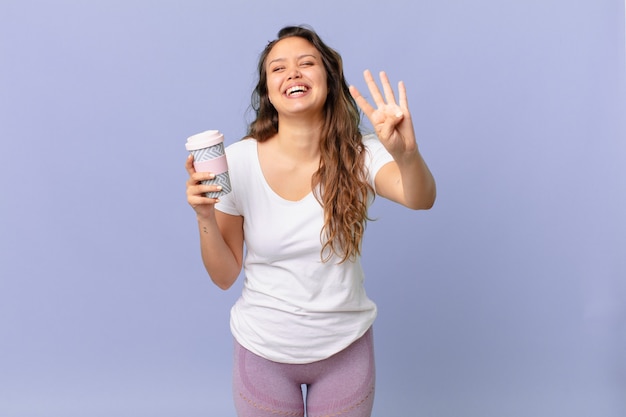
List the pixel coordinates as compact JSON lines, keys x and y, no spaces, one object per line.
{"x":294,"y":73}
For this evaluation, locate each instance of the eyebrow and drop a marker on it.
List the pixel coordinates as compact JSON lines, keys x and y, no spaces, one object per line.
{"x":299,"y":57}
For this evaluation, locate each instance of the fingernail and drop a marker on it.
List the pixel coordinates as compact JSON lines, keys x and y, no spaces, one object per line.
{"x":399,"y":114}
{"x":219,"y":188}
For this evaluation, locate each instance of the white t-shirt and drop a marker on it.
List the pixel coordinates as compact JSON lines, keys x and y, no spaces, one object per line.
{"x":294,"y":308}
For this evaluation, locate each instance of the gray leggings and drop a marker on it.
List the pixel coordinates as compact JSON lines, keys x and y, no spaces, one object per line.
{"x":340,"y":386}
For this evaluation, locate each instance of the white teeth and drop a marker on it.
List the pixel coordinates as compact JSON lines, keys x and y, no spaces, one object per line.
{"x":296,"y":89}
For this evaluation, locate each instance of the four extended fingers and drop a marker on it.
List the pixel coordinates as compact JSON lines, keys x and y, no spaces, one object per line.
{"x":380,"y":101}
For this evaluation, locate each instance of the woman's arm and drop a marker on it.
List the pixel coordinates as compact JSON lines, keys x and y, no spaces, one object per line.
{"x":221,"y":235}
{"x":407,"y":180}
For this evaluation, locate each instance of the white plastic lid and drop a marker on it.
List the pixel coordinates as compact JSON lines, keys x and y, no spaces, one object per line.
{"x":204,"y":140}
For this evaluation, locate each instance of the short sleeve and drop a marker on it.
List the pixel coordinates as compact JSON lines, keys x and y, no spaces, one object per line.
{"x":376,"y":157}
{"x":229,"y":203}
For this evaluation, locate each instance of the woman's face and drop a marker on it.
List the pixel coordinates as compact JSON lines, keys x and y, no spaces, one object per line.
{"x":296,"y":78}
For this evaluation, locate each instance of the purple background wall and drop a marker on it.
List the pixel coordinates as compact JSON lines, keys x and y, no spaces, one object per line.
{"x":507,"y":299}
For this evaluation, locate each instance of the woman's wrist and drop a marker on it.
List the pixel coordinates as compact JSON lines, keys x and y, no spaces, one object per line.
{"x":205,"y":219}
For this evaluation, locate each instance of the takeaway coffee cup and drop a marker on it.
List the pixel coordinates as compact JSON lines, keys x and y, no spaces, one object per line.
{"x":207,"y":149}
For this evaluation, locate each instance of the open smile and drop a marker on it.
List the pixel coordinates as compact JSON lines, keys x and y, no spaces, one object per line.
{"x":297,"y":90}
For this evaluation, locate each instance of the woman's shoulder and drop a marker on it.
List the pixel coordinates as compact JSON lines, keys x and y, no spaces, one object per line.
{"x":242,"y":147}
{"x":376,"y":154}
{"x":244,"y":143}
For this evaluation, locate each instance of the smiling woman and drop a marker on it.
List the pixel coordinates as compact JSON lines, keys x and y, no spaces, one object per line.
{"x":302,"y":181}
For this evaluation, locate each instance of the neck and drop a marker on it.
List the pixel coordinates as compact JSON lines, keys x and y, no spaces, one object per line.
{"x":299,"y":139}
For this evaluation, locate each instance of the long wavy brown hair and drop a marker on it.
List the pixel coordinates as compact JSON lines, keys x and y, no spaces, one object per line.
{"x":343,"y":188}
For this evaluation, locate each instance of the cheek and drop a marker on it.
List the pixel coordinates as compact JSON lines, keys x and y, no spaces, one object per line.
{"x":273,"y":86}
{"x":324,"y":89}
{"x":324,"y":82}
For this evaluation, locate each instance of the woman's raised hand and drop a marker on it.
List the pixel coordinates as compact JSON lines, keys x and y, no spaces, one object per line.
{"x":391,"y":120}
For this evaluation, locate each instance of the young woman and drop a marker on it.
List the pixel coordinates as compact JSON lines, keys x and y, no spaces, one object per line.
{"x":302,"y":181}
